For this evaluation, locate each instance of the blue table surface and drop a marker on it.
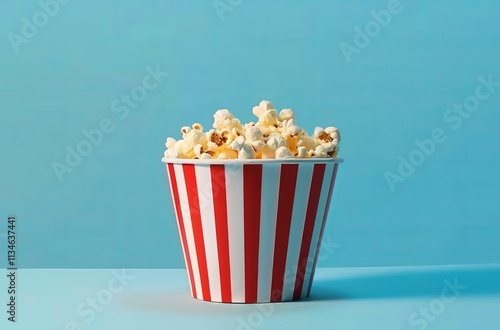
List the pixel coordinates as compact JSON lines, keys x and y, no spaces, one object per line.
{"x":438,"y":297}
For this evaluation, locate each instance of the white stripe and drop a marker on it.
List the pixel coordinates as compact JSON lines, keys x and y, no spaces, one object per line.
{"x":178,"y":226}
{"x":317,"y":227}
{"x":183,"y":198}
{"x":302,"y":189}
{"x":204,"y":184}
{"x":234,"y":194}
{"x":268,"y":214}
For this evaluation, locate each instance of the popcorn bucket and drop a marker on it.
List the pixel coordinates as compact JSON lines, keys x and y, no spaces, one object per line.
{"x":251,"y":229}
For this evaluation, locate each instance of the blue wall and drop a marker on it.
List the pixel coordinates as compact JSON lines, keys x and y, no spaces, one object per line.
{"x":386,"y":87}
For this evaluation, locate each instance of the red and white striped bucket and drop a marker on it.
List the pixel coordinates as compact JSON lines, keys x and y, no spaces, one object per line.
{"x":250,"y":230}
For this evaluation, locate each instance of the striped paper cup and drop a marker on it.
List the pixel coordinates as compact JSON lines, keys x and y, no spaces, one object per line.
{"x":251,"y":230}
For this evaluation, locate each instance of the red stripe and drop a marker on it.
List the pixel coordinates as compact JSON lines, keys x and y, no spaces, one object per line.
{"x":217,"y":174}
{"x":252,"y":185}
{"x":288,"y":180}
{"x":180,"y":223}
{"x":332,"y":183}
{"x":194,"y":210}
{"x":312,"y":208}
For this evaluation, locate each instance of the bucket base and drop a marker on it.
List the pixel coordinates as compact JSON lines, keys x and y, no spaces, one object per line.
{"x":250,"y":303}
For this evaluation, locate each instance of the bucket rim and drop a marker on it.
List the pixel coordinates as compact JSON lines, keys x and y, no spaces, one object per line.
{"x":250,"y":161}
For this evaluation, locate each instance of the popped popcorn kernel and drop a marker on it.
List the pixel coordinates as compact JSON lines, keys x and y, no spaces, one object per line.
{"x":266,"y":105}
{"x":283,"y":152}
{"x":253,"y":133}
{"x":198,"y":150}
{"x":301,"y":152}
{"x":258,"y":111}
{"x":258,"y":145}
{"x":307,"y":141}
{"x":170,"y":143}
{"x":194,"y":137}
{"x":286,"y":114}
{"x":318,"y":131}
{"x":238,"y":143}
{"x":268,"y":118}
{"x":205,"y":156}
{"x":267,"y":153}
{"x":185,"y":130}
{"x":319,"y":152}
{"x":225,"y":119}
{"x":275,"y":141}
{"x":228,"y":154}
{"x":197,"y":126}
{"x":246,"y":152}
{"x":273,"y":136}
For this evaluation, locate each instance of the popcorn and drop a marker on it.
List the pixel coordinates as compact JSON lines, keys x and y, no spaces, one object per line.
{"x":198,"y":150}
{"x":292,"y":143}
{"x":301,"y":152}
{"x":258,"y":145}
{"x":268,"y":117}
{"x":253,"y":133}
{"x":248,"y":125}
{"x":273,"y":135}
{"x":238,"y":143}
{"x":319,"y":152}
{"x":307,"y":142}
{"x":267,"y":154}
{"x":228,"y":154}
{"x":222,"y":115}
{"x":212,"y":146}
{"x":333,"y":132}
{"x":329,"y":146}
{"x":283,"y":152}
{"x":193,"y":138}
{"x":334,"y":153}
{"x":286,"y":114}
{"x":328,"y":134}
{"x":223,"y":119}
{"x":275,"y":141}
{"x":172,"y":153}
{"x":266,"y":105}
{"x":205,"y":156}
{"x":294,"y":130}
{"x":170,"y":143}
{"x":185,"y":130}
{"x":318,"y":131}
{"x":258,"y":111}
{"x":246,"y":152}
{"x":178,"y":145}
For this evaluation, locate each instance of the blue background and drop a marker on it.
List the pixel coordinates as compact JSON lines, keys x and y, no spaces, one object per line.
{"x":114,"y":209}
